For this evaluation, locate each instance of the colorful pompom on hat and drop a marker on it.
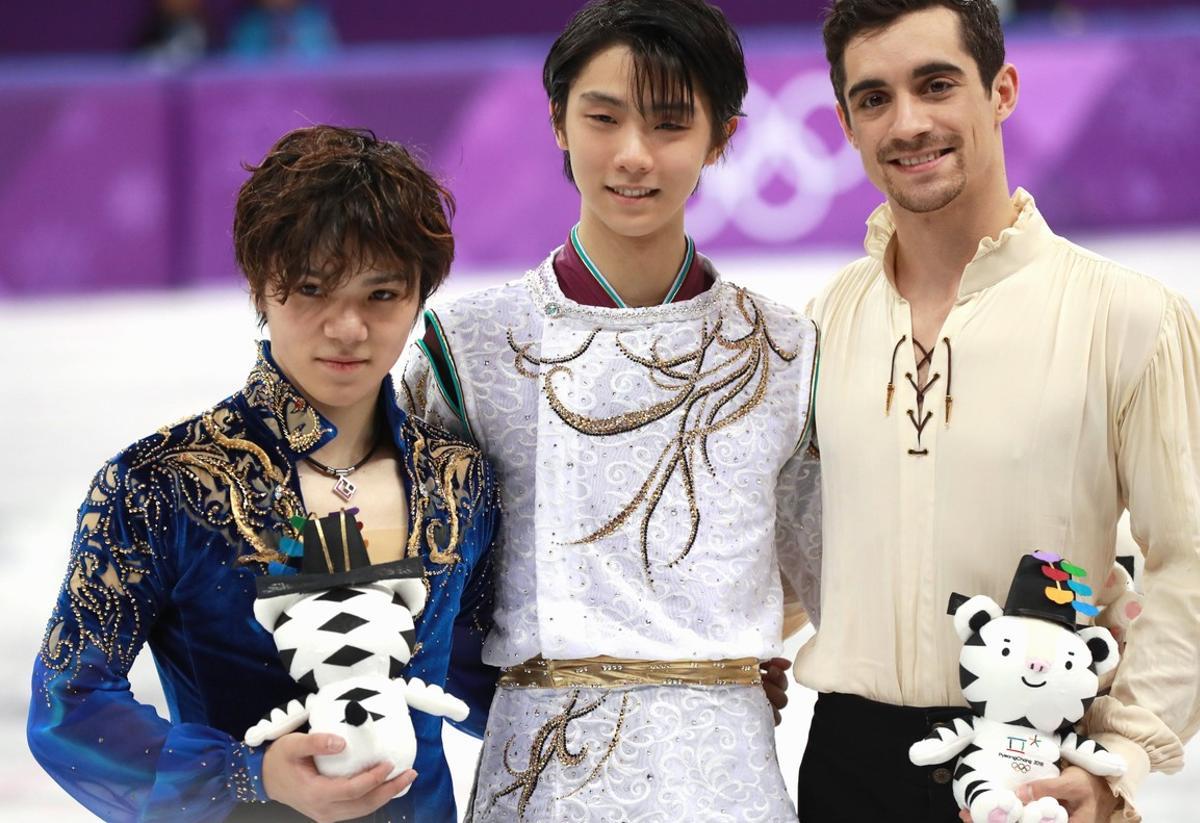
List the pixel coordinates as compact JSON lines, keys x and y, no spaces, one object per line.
{"x":1048,"y":587}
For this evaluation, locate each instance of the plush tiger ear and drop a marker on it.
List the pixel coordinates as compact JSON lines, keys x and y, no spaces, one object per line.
{"x":268,"y":609}
{"x":411,"y":592}
{"x":1103,"y":647}
{"x":972,"y":614}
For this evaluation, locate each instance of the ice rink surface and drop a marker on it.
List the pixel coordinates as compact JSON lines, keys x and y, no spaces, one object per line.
{"x":84,"y":377}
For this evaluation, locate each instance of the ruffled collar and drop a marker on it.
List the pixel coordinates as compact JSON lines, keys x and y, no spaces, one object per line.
{"x":995,"y":258}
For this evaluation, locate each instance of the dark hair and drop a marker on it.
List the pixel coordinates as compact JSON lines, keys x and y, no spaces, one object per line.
{"x":677,"y":45}
{"x":331,"y":201}
{"x":979,"y":24}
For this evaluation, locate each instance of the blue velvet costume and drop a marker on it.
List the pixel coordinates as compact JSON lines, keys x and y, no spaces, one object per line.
{"x":172,"y":534}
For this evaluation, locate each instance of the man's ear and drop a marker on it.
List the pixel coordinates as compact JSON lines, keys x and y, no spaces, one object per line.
{"x":560,"y":137}
{"x":1006,"y":89}
{"x":844,"y":122}
{"x":714,"y":154}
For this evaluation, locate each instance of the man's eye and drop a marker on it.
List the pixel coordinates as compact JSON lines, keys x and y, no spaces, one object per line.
{"x":670,"y":125}
{"x":384,"y":294}
{"x":872,"y":101}
{"x":309,"y":290}
{"x":601,"y":118}
{"x":940,"y":86}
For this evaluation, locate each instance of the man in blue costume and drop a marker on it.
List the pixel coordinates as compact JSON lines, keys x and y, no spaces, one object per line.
{"x":341,"y":237}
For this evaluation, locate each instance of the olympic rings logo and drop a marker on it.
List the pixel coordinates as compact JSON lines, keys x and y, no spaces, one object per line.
{"x":777,"y":144}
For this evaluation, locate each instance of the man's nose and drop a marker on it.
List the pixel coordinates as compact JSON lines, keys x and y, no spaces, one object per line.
{"x":912,"y":118}
{"x":634,"y":155}
{"x":346,"y":324}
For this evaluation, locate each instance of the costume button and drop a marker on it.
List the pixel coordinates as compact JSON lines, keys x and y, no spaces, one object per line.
{"x":942,"y":776}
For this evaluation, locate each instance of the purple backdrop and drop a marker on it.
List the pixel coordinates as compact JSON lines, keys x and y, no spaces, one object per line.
{"x":57,"y":26}
{"x":112,"y":177}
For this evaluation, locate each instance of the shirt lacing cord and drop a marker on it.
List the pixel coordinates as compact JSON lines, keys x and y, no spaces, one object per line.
{"x":921,"y":390}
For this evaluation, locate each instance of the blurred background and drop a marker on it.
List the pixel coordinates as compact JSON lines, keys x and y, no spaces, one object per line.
{"x":124,"y":124}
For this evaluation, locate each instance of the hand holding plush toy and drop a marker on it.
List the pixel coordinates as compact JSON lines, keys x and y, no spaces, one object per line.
{"x":344,"y":629}
{"x":1029,"y":675}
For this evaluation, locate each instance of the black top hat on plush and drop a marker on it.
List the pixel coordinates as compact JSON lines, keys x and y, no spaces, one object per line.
{"x":333,"y":544}
{"x":335,"y":555}
{"x":1048,"y":587}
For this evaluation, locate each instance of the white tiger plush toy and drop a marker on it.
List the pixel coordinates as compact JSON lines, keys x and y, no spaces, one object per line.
{"x":1029,"y":675}
{"x":346,"y":635}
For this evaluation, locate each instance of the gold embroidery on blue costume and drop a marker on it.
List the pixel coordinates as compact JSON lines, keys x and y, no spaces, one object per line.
{"x":169,"y":540}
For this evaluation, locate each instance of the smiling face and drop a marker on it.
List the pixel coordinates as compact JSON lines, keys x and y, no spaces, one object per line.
{"x":635,"y":166}
{"x":1026,"y":667}
{"x":336,"y":345}
{"x":916,"y":110}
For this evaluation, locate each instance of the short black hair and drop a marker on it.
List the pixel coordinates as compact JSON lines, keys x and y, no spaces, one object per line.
{"x":979,"y":25}
{"x":677,"y":46}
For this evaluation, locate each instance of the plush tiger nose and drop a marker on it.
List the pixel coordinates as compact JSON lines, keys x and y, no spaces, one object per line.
{"x":1035,"y":664}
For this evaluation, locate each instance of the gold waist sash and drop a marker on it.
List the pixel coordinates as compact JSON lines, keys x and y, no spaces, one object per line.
{"x":609,"y":672}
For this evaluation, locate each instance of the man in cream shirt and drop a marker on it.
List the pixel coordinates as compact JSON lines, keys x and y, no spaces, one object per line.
{"x":987,"y":389}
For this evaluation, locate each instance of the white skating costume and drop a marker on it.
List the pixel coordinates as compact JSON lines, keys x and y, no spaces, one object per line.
{"x":656,"y":479}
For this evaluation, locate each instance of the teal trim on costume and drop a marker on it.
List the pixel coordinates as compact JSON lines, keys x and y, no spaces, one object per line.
{"x":688,"y":256}
{"x":812,"y":389}
{"x":452,"y":394}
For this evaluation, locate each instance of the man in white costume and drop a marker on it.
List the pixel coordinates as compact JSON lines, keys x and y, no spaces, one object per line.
{"x":649,"y":426}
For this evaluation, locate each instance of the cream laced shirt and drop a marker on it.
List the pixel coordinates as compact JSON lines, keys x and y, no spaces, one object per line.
{"x":1062,"y":390}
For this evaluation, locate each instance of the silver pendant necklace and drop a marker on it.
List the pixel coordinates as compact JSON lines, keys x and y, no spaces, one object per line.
{"x":342,"y":486}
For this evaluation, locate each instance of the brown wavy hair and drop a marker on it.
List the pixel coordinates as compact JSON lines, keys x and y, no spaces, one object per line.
{"x":331,"y":201}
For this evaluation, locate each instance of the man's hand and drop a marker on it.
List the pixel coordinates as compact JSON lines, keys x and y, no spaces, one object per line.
{"x":775,"y":683}
{"x":290,"y":777}
{"x":1087,"y":798}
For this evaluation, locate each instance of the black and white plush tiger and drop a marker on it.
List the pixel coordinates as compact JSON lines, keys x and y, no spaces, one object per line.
{"x":1029,"y":675}
{"x":347,"y":637}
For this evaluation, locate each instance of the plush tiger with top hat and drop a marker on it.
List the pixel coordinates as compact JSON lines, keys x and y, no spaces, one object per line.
{"x":345,"y":631}
{"x":1029,"y":674}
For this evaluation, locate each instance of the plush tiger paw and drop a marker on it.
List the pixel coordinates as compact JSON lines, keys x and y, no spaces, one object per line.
{"x":279,"y":722}
{"x":1045,"y":810}
{"x":1104,"y":763}
{"x":927,"y":752}
{"x":996,"y":806}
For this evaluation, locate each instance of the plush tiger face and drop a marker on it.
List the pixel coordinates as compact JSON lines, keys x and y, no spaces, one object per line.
{"x":347,"y":631}
{"x":1026,"y":670}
